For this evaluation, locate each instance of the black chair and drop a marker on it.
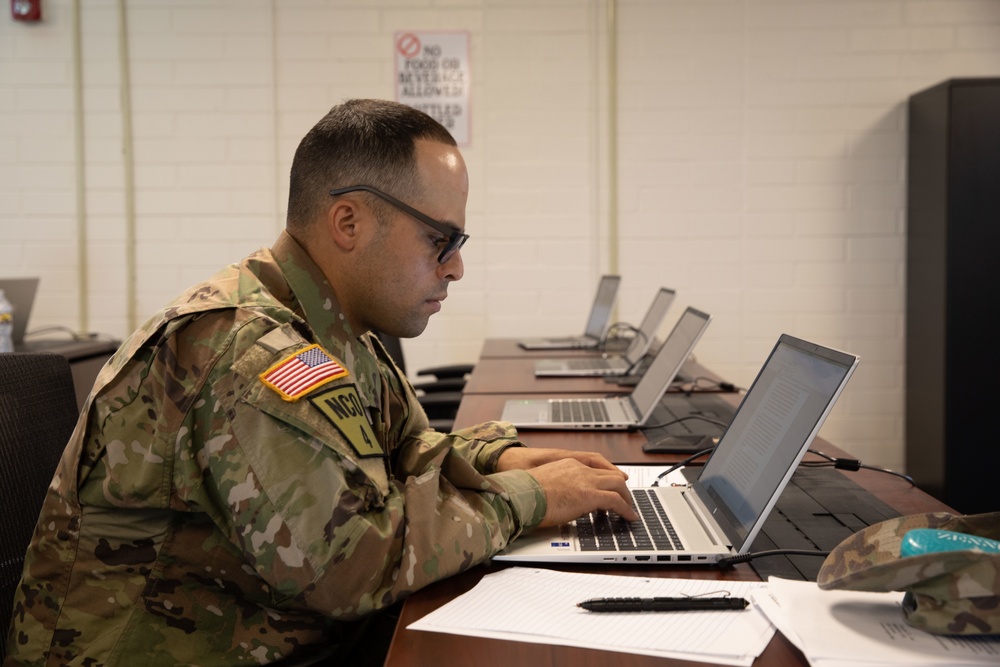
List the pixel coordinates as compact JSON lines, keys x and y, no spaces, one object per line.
{"x":441,"y":393}
{"x":38,"y":411}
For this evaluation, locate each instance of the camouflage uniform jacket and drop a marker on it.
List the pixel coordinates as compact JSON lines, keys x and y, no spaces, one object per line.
{"x":199,"y":517}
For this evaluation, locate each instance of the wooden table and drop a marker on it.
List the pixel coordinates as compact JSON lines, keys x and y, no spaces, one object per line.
{"x":419,"y":649}
{"x":507,"y":348}
{"x":516,"y":375}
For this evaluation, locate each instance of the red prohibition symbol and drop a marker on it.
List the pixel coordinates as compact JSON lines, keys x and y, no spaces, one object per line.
{"x":408,"y":45}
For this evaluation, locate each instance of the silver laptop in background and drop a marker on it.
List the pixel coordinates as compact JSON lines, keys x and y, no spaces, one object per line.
{"x":615,"y":412}
{"x":614,"y":364}
{"x":21,"y":294}
{"x":721,"y":511}
{"x":597,"y":322}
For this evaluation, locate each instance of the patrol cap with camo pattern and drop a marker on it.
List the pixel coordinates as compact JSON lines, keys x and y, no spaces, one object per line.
{"x":947,"y":593}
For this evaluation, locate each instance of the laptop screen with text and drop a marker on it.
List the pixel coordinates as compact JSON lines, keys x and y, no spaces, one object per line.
{"x":784,"y":407}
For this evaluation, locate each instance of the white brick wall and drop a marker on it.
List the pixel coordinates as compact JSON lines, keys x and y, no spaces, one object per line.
{"x":761,"y":160}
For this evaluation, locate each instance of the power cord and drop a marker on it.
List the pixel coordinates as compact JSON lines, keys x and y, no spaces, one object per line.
{"x":646,"y":427}
{"x":699,"y":384}
{"x":831,"y":462}
{"x":681,"y":464}
{"x":850,"y":464}
{"x":747,"y":557}
{"x":612,"y":332}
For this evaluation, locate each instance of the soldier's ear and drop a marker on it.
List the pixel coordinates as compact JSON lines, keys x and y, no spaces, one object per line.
{"x":343,"y":221}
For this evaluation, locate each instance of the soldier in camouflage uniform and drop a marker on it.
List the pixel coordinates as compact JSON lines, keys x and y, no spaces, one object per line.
{"x":251,"y":472}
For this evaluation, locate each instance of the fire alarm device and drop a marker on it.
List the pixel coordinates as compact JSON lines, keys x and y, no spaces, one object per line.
{"x":26,"y":10}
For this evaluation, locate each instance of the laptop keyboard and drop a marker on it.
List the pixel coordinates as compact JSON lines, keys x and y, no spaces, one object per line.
{"x":586,"y":364}
{"x":576,"y":411}
{"x":572,"y":341}
{"x":607,"y":531}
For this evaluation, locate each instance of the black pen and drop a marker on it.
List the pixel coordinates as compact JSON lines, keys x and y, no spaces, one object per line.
{"x":664,"y":604}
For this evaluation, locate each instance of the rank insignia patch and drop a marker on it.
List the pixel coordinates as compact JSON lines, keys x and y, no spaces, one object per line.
{"x":297,"y":375}
{"x":342,"y":406}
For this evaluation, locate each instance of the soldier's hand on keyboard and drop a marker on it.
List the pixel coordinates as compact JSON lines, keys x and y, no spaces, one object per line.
{"x":573,"y":488}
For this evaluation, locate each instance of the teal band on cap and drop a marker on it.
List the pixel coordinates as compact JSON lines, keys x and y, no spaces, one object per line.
{"x":920,"y":541}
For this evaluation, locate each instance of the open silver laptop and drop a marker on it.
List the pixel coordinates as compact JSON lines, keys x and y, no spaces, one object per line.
{"x":615,"y":412}
{"x":614,"y":364}
{"x":21,"y":294}
{"x":723,"y":508}
{"x":597,"y":322}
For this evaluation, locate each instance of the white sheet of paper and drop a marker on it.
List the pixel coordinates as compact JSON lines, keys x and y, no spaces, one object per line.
{"x":538,"y":605}
{"x":640,"y":476}
{"x":834,"y":628}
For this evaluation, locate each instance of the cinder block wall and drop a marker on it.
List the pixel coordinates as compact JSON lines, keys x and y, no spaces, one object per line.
{"x":760,"y":160}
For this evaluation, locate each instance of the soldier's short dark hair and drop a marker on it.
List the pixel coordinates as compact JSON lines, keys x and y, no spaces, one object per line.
{"x":359,"y":142}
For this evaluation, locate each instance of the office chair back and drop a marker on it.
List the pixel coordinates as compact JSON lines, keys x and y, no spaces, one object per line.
{"x":394,"y":347}
{"x":38,"y":411}
{"x":440,"y":396}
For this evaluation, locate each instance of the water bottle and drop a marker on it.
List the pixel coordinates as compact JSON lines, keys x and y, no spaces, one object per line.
{"x":6,"y":324}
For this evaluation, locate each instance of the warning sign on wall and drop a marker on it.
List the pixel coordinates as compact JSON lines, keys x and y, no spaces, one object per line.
{"x":432,"y":75}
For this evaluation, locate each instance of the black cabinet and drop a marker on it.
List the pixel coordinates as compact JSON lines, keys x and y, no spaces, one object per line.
{"x":953,"y":293}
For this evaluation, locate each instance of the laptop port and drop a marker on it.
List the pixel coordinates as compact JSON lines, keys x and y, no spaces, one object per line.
{"x":683,"y":558}
{"x":642,"y":557}
{"x":663,"y":559}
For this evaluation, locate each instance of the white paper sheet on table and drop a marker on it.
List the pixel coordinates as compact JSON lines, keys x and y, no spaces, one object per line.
{"x":839,"y":628}
{"x":538,"y":605}
{"x":644,"y":475}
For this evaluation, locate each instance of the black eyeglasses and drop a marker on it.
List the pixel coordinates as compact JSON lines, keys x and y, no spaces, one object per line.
{"x":456,"y":239}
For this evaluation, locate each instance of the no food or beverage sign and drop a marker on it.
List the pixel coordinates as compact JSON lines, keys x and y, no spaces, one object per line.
{"x":432,"y":75}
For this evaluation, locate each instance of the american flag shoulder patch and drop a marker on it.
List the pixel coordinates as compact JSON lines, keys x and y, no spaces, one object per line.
{"x":295,"y":376}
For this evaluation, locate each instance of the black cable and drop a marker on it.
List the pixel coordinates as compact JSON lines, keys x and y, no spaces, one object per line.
{"x":635,"y":364}
{"x":838,"y":463}
{"x":680,"y":464}
{"x":744,"y":558}
{"x":850,"y":464}
{"x":646,"y":427}
{"x":616,"y":326}
{"x":724,"y":386}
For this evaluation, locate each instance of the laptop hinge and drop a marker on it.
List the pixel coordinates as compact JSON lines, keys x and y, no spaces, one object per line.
{"x":636,"y":415}
{"x":711,"y":528}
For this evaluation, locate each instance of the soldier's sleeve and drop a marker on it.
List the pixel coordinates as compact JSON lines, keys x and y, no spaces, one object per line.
{"x":480,"y":445}
{"x":306,"y":490}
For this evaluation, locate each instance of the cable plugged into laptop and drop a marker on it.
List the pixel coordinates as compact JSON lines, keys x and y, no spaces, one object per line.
{"x":730,"y":561}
